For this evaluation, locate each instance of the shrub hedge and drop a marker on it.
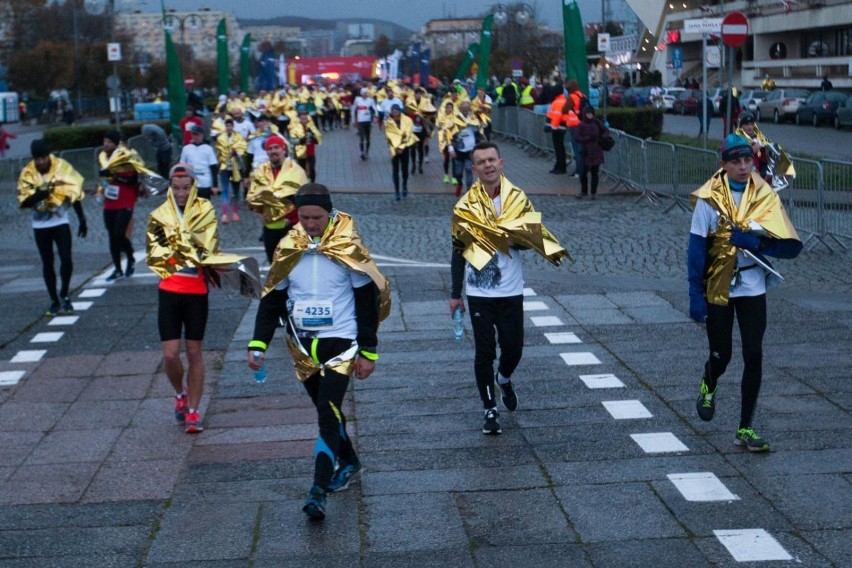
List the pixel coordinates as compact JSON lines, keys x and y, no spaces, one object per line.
{"x":92,"y":136}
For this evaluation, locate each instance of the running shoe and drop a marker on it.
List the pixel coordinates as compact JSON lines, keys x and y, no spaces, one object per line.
{"x":116,"y":274}
{"x":454,"y":181}
{"x":491,"y":426}
{"x":706,"y":404}
{"x":235,"y":216}
{"x":343,"y":476}
{"x":130,"y":268}
{"x":315,"y":504}
{"x":446,"y":179}
{"x":181,"y":408}
{"x":67,"y":306}
{"x":510,"y":399}
{"x":193,"y":423}
{"x":747,"y":438}
{"x":224,"y":219}
{"x":52,"y":310}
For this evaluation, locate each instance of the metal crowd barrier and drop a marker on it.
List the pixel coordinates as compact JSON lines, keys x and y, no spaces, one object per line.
{"x":819,"y":200}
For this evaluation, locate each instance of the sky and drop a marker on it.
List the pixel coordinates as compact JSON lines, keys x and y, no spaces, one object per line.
{"x":409,"y":13}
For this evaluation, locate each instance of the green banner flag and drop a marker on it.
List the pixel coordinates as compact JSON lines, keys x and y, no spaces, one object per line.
{"x":469,"y":56}
{"x":576,"y":66}
{"x":484,"y":52}
{"x":222,"y":67}
{"x":244,"y":64}
{"x":177,"y":92}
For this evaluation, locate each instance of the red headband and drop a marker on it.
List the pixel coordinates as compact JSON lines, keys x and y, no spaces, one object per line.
{"x":273,"y":140}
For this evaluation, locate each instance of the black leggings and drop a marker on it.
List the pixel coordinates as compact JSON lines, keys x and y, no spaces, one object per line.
{"x":751,"y":316}
{"x":400,"y":162}
{"x":271,"y":238}
{"x":309,"y":164}
{"x":447,"y":162}
{"x":327,"y":395}
{"x":116,"y":222}
{"x":364,"y":129}
{"x":506,"y":317}
{"x":584,"y":179}
{"x":417,"y":152}
{"x":44,"y":238}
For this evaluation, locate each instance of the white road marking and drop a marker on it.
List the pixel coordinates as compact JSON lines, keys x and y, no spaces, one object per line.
{"x":701,"y":486}
{"x":562,"y":337}
{"x":81,"y":306}
{"x":92,"y":293}
{"x":659,"y":443}
{"x":8,"y":378}
{"x":529,"y":292}
{"x":64,"y":320}
{"x":605,"y":381}
{"x":583,"y":358}
{"x":535,"y":306}
{"x":546,"y":321}
{"x":626,"y":409}
{"x":751,"y":545}
{"x":404,"y":262}
{"x":28,"y":356}
{"x":47,"y":337}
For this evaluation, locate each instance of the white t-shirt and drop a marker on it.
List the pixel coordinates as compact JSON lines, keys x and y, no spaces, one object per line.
{"x":258,"y":152}
{"x":48,"y":219}
{"x":465,"y":140}
{"x":751,"y":282}
{"x":245,"y":128}
{"x":200,"y":157}
{"x":502,"y":277}
{"x":387,"y":104}
{"x":361,"y":109}
{"x":316,"y":278}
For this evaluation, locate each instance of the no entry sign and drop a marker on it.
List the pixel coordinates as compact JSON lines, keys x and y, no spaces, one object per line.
{"x":734,"y":29}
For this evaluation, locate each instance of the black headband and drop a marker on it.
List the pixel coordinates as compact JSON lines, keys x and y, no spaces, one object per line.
{"x":323,"y":201}
{"x":737,"y":152}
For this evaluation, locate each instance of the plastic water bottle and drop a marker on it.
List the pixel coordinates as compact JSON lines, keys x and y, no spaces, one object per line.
{"x":458,"y":323}
{"x":260,"y":374}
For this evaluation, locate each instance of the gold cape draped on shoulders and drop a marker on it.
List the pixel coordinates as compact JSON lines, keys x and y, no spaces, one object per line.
{"x":270,"y":195}
{"x":225,"y":146}
{"x":784,"y":165}
{"x":399,"y":136}
{"x":482,"y":233}
{"x":191,"y":240}
{"x":342,"y":244}
{"x":447,"y":130}
{"x":296,"y":131}
{"x":65,"y":181}
{"x":759,"y":205}
{"x":123,"y":160}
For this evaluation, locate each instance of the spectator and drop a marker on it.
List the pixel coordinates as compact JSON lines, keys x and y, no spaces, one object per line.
{"x":826,"y":84}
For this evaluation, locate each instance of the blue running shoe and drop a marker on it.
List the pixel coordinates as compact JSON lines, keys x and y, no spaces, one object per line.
{"x":343,"y":476}
{"x":315,"y":504}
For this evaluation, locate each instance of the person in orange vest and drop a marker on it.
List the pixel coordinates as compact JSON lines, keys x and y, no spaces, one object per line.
{"x":556,"y":126}
{"x":571,"y":115}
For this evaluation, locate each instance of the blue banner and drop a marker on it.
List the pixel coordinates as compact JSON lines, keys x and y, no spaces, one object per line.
{"x":424,"y":67}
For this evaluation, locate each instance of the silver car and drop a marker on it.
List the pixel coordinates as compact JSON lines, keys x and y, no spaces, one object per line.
{"x":781,"y":104}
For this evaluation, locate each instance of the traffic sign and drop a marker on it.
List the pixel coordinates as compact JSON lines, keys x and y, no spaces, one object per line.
{"x":734,"y":29}
{"x":113,"y":52}
{"x":677,"y":57}
{"x":603,"y":43}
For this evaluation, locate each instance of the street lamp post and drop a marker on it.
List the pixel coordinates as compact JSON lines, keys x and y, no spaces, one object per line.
{"x":518,"y":15}
{"x":193,"y":21}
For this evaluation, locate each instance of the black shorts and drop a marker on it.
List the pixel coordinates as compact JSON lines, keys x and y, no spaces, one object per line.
{"x":182,"y":311}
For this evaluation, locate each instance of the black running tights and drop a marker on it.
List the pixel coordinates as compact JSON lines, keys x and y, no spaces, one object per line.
{"x":400,"y":162}
{"x":116,"y":222}
{"x":44,"y":238}
{"x":750,"y":313}
{"x":505,"y":316}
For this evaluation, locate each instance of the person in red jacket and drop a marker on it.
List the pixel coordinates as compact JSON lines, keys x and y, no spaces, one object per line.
{"x":186,"y":124}
{"x":5,"y":135}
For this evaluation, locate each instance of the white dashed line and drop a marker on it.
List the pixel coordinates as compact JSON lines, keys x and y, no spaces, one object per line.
{"x":751,"y":545}
{"x":64,"y":320}
{"x":8,"y":378}
{"x":659,"y":443}
{"x":546,"y":321}
{"x":583,"y":358}
{"x":529,"y":292}
{"x":92,"y":293}
{"x":605,"y":381}
{"x":626,"y":409}
{"x":81,"y":306}
{"x":562,"y":337}
{"x":535,"y":306}
{"x":31,"y":356}
{"x":701,"y":486}
{"x":47,"y":337}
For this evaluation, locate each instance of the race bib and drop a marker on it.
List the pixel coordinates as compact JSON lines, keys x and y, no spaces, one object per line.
{"x":417,"y":128}
{"x":111,"y":191}
{"x":313,"y":315}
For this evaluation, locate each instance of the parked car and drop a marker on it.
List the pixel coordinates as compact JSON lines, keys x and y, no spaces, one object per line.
{"x":820,"y":107}
{"x":667,"y":98}
{"x":686,"y":102}
{"x":616,"y":93}
{"x":843,"y":117}
{"x":752,"y":99}
{"x":781,"y":104}
{"x":715,"y":95}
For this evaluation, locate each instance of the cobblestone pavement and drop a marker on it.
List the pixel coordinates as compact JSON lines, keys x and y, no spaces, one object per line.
{"x":604,"y":463}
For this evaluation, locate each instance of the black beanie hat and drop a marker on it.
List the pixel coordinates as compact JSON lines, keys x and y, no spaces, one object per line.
{"x":39,"y":149}
{"x":113,"y":135}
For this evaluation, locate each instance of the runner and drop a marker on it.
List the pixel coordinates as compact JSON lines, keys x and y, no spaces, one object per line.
{"x":49,"y":186}
{"x":306,"y":137}
{"x":399,"y":133}
{"x":447,"y":130}
{"x":230,"y":150}
{"x":339,"y":280}
{"x":202,"y":157}
{"x":491,"y":224}
{"x":363,"y":111}
{"x":468,"y":134}
{"x":737,"y":222}
{"x":419,"y":109}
